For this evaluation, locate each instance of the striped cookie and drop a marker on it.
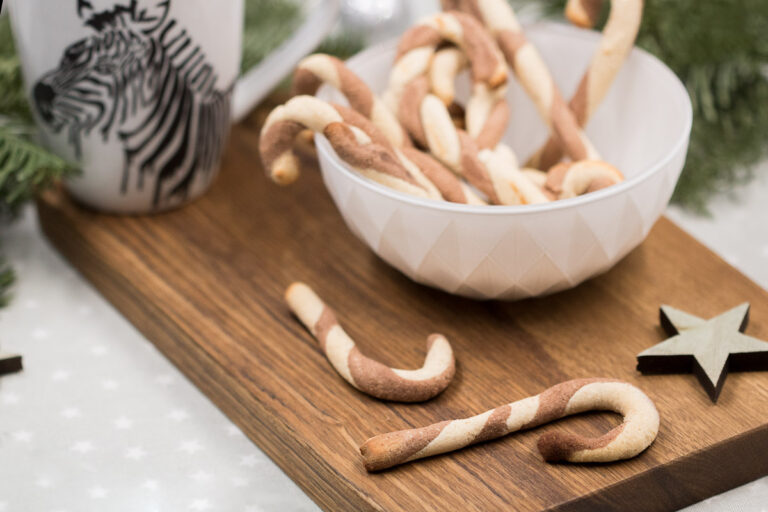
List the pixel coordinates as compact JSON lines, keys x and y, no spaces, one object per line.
{"x":635,"y":434}
{"x":571,"y":179}
{"x":367,"y":153}
{"x":363,"y":373}
{"x":618,"y":38}
{"x":531,"y":71}
{"x":317,"y":69}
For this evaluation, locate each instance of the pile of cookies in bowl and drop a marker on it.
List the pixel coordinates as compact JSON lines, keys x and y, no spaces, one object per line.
{"x":454,"y":155}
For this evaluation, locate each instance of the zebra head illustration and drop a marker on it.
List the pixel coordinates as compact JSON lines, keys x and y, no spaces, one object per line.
{"x":140,"y":77}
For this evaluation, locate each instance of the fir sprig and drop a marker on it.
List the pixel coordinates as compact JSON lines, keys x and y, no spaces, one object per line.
{"x":7,"y":278}
{"x":25,"y":169}
{"x":13,"y":104}
{"x":269,"y":23}
{"x":719,"y":49}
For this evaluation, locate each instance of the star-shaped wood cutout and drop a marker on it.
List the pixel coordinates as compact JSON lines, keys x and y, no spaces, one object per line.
{"x":708,"y":348}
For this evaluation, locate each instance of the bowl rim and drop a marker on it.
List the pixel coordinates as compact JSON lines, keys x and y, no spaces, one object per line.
{"x":325,"y":150}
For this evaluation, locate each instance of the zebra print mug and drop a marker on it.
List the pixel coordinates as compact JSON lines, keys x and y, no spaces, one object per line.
{"x":140,"y":92}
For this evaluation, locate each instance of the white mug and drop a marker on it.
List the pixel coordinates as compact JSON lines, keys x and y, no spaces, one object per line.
{"x":141,"y":93}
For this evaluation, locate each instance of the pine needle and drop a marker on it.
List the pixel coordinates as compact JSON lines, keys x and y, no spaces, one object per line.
{"x":13,"y":102}
{"x":269,"y":23}
{"x":7,"y":278}
{"x":25,"y":169}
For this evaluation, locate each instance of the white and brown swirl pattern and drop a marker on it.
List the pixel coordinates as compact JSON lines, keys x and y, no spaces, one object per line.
{"x":363,"y":373}
{"x":360,"y":144}
{"x":533,"y":74}
{"x":618,"y":38}
{"x":423,"y":69}
{"x":635,"y":434}
{"x":421,"y":92}
{"x":319,"y":69}
{"x":354,"y":138}
{"x":487,"y":113}
{"x":571,"y":179}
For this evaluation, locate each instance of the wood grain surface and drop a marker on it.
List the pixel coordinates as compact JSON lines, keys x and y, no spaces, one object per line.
{"x":205,"y":284}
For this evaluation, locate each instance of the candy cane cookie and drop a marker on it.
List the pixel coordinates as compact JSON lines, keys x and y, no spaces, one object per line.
{"x":537,"y":177}
{"x":486,"y":112}
{"x":425,"y":116}
{"x":571,"y":179}
{"x":438,"y":181}
{"x":516,"y":188}
{"x":419,"y":44}
{"x":450,"y":187}
{"x":280,"y":161}
{"x":532,"y":72}
{"x":618,"y":39}
{"x":635,"y":434}
{"x":364,"y":374}
{"x":446,"y":65}
{"x":371,"y":158}
{"x":499,"y":181}
{"x":317,"y":69}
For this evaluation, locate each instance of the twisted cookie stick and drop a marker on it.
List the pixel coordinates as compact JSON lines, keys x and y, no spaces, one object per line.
{"x":438,"y":181}
{"x":367,"y":375}
{"x":446,"y":65}
{"x":459,"y":152}
{"x":450,"y":187}
{"x":513,"y":186}
{"x":370,"y":156}
{"x":487,"y":108}
{"x":487,"y":113}
{"x":357,"y":141}
{"x":532,"y":72}
{"x":493,"y":172}
{"x":571,"y":179}
{"x":618,"y":38}
{"x":426,"y":117}
{"x":635,"y":434}
{"x":319,"y":68}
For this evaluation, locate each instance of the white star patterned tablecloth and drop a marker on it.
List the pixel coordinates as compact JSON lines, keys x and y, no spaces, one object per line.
{"x":100,"y":421}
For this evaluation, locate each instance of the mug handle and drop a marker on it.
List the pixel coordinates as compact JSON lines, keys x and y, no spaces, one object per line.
{"x":258,"y":81}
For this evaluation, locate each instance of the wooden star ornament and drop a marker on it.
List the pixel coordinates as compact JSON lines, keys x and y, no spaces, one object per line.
{"x":708,"y":348}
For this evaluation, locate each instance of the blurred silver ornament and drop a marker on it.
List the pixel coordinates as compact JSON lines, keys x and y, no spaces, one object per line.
{"x":375,"y":20}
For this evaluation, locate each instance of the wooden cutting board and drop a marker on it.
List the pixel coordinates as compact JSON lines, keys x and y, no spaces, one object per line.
{"x":205,"y":284}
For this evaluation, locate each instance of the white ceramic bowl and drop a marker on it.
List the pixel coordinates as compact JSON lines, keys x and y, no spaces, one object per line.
{"x":511,"y":252}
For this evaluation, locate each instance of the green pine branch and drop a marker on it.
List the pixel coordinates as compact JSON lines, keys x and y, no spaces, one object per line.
{"x":13,"y":103}
{"x":7,"y":278}
{"x":25,"y":169}
{"x":719,"y":49}
{"x":269,"y":23}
